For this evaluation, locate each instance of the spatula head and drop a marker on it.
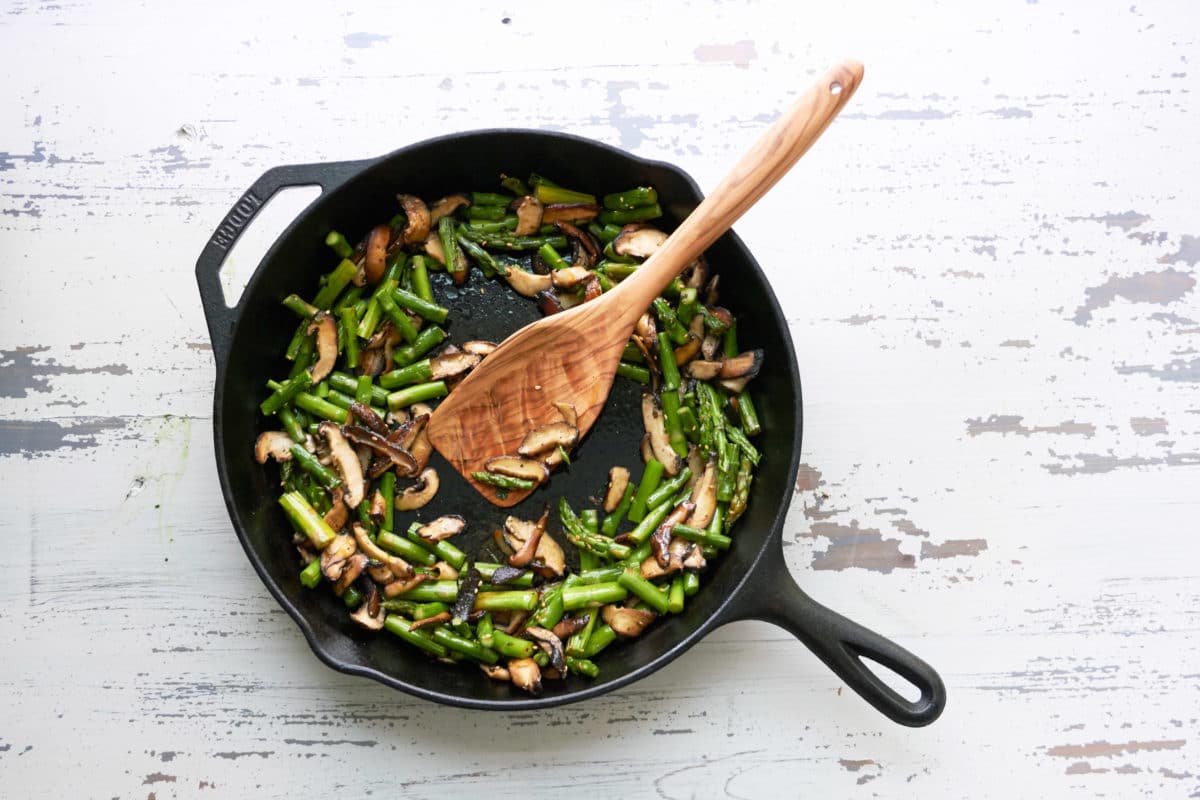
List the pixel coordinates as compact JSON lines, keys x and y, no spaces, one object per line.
{"x":566,"y":358}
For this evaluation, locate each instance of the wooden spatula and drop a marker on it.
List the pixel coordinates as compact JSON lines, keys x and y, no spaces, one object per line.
{"x":572,"y":357}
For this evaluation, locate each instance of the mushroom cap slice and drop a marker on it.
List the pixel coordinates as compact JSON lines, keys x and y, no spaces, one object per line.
{"x":447,"y":205}
{"x":639,"y":241}
{"x":744,"y":365}
{"x":452,"y":365}
{"x":529,"y":215}
{"x":550,"y":644}
{"x":273,"y":444}
{"x":733,"y":385}
{"x":704,"y":495}
{"x":688,"y":350}
{"x":479,"y":347}
{"x":709,"y":347}
{"x":569,"y":415}
{"x":364,"y":617}
{"x":656,"y":428}
{"x":346,"y":461}
{"x":399,"y":567}
{"x":704,"y":370}
{"x":570,"y":277}
{"x":526,"y":674}
{"x":338,"y":515}
{"x":417,"y":220}
{"x":420,"y":493}
{"x":549,"y":303}
{"x":518,"y":467}
{"x":325,"y":327}
{"x":584,"y":250}
{"x":354,"y":567}
{"x":335,"y":555}
{"x":549,"y":553}
{"x":375,"y":259}
{"x":548,"y":437}
{"x":618,"y":479}
{"x":442,"y":528}
{"x":569,"y":212}
{"x":626,"y":621}
{"x":495,"y":672}
{"x":526,"y":283}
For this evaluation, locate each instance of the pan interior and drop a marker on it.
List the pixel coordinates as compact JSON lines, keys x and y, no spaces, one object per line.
{"x":488,"y":309}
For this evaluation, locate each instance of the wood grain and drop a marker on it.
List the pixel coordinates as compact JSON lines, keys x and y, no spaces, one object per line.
{"x":572,"y":357}
{"x":998,"y":353}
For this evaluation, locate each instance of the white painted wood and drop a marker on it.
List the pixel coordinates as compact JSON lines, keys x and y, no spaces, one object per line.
{"x":988,"y":265}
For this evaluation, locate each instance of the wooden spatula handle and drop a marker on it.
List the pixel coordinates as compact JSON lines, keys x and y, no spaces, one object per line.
{"x":756,"y":172}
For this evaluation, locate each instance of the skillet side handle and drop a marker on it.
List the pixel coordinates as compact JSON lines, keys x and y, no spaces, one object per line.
{"x":220,"y":317}
{"x":843,"y":645}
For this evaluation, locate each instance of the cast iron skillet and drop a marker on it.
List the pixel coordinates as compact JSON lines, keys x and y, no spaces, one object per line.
{"x":749,"y":582}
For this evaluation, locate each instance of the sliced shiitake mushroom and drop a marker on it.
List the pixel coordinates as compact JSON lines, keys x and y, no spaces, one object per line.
{"x":433,"y":248}
{"x":550,"y":644}
{"x":532,"y":535}
{"x":377,"y":510}
{"x":518,"y":467}
{"x":584,"y":250}
{"x":399,"y":567}
{"x":548,"y":302}
{"x":710,"y":346}
{"x":626,"y":621}
{"x":442,"y":528}
{"x":618,"y":479}
{"x":375,"y":258}
{"x":733,"y":385}
{"x":704,"y":495}
{"x":406,"y":464}
{"x":687,"y":351}
{"x":402,"y":585}
{"x":369,"y":419}
{"x":569,"y":212}
{"x":548,"y":437}
{"x":526,"y":674}
{"x":638,"y":240}
{"x":273,"y":444}
{"x":354,"y":567}
{"x":345,"y":460}
{"x":660,"y":540}
{"x":452,"y":365}
{"x":479,"y":347}
{"x":678,"y":553}
{"x":570,"y":277}
{"x":529,"y":215}
{"x":656,"y":428}
{"x":569,"y":415}
{"x":592,"y":289}
{"x":526,"y":283}
{"x":444,"y":572}
{"x":446,"y":206}
{"x":364,"y":616}
{"x":335,"y":556}
{"x":704,"y":370}
{"x":549,"y":554}
{"x":338,"y":515}
{"x":646,"y":329}
{"x":420,"y":493}
{"x":380,"y":573}
{"x":495,"y":672}
{"x":696,"y":273}
{"x":695,"y":462}
{"x":645,"y":450}
{"x":710,"y":291}
{"x":421,"y":447}
{"x":371,"y":361}
{"x":569,"y":626}
{"x":744,"y":365}
{"x":417,"y":220}
{"x":327,"y":346}
{"x":436,"y":619}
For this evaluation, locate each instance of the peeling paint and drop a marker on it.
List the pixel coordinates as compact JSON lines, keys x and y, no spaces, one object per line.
{"x":807,"y":478}
{"x":361,"y":39}
{"x":953,"y":548}
{"x":1095,"y":463}
{"x":37,"y":437}
{"x":860,"y":319}
{"x":1126,"y":220}
{"x":852,"y":546}
{"x":1188,"y":252}
{"x":20,"y":373}
{"x":1143,"y":287}
{"x":1148,"y":426}
{"x":1006,"y":424}
{"x":1105,"y":749}
{"x":1011,"y":112}
{"x":1021,"y":343}
{"x":852,"y":765}
{"x":1175,"y":370}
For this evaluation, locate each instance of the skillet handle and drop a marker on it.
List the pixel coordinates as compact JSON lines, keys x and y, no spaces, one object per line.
{"x":842,"y":644}
{"x":220,"y":317}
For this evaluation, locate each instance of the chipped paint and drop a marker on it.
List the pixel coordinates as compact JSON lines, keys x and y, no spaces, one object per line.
{"x":1097,"y":463}
{"x":1148,"y":426}
{"x":1162,"y":288}
{"x":21,"y":373}
{"x":1175,"y":370}
{"x":1005,"y":424}
{"x":362,"y":39}
{"x":953,"y":548}
{"x":1188,"y":252}
{"x":1106,"y":749}
{"x":38,"y":437}
{"x":852,"y":546}
{"x":1019,"y":343}
{"x":1126,"y":220}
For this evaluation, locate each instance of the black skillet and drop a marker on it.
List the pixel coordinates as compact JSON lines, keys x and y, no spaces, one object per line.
{"x":749,"y":582}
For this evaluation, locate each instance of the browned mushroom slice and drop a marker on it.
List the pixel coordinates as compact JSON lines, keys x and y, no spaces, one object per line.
{"x":338,"y":515}
{"x":638,"y":241}
{"x":646,"y":329}
{"x":570,"y":277}
{"x":550,"y":644}
{"x":618,"y":479}
{"x":380,"y":573}
{"x":516,"y":621}
{"x":370,"y":621}
{"x":695,"y":462}
{"x":680,"y":553}
{"x":526,"y":674}
{"x":366,"y":415}
{"x":433,"y":248}
{"x":442,"y":528}
{"x":687,"y":351}
{"x":710,"y":291}
{"x":569,"y":299}
{"x":568,"y":413}
{"x":452,"y":365}
{"x":645,"y":450}
{"x":421,"y":447}
{"x":548,"y":553}
{"x":625,"y":621}
{"x":660,"y":540}
{"x":406,"y":464}
{"x":704,"y":370}
{"x":327,"y":346}
{"x":704,"y":495}
{"x":375,"y":259}
{"x":548,"y":437}
{"x":402,"y":585}
{"x":436,"y":619}
{"x":273,"y":444}
{"x":733,"y":385}
{"x":345,"y":460}
{"x":399,"y":567}
{"x":744,"y":365}
{"x":548,"y":303}
{"x":420,"y":493}
{"x":570,"y":626}
{"x":444,"y":571}
{"x":417,"y":220}
{"x":335,"y":555}
{"x":371,"y":361}
{"x":656,"y":427}
{"x":569,"y":212}
{"x":529,"y":215}
{"x":584,"y":250}
{"x":694,"y":560}
{"x":518,"y":467}
{"x":696,"y":273}
{"x":532,"y":535}
{"x":592,"y":289}
{"x":378,"y":508}
{"x":354,"y":567}
{"x":495,"y":672}
{"x":709,"y":347}
{"x":479,"y":347}
{"x":446,"y":206}
{"x":526,"y":283}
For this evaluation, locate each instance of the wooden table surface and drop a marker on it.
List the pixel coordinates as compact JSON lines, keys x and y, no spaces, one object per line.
{"x":989,"y":267}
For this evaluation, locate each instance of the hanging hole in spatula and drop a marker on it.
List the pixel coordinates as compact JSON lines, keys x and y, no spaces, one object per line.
{"x":835,"y":88}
